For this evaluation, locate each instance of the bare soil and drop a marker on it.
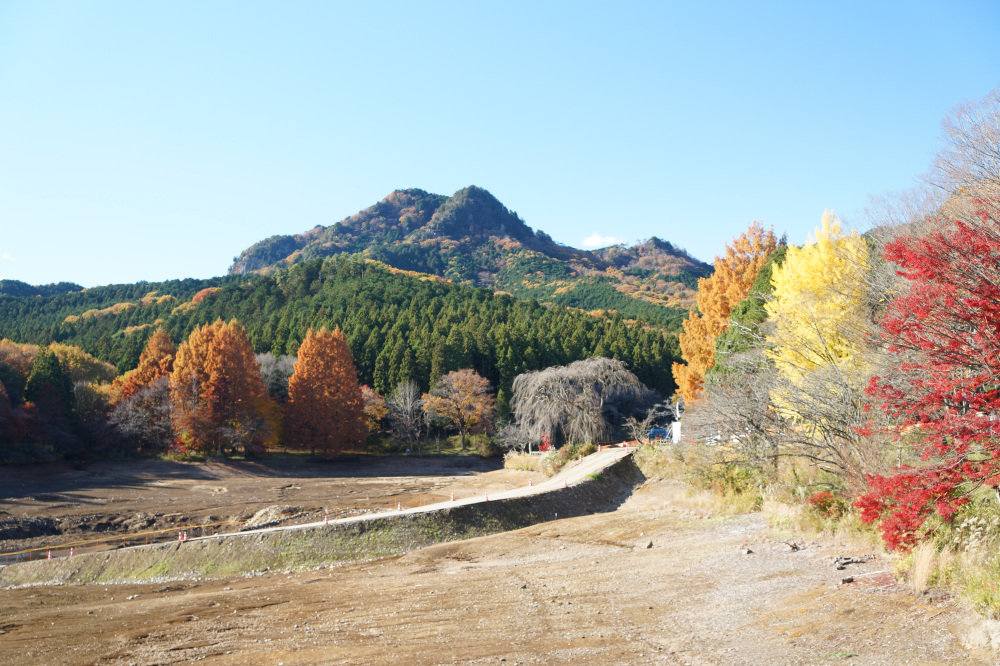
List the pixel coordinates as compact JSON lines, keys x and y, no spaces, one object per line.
{"x":652,"y":582}
{"x":45,"y":506}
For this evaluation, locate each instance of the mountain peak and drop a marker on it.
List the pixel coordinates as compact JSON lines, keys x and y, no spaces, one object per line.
{"x":472,"y":238}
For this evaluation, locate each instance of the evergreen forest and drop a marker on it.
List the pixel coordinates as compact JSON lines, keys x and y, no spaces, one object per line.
{"x":398,"y":325}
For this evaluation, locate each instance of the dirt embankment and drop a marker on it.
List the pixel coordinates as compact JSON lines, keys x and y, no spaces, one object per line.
{"x":289,"y":549}
{"x":45,"y":506}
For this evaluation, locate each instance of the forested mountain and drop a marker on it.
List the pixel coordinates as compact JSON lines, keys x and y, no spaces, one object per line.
{"x":471,"y":238}
{"x":398,"y":325}
{"x":18,"y":288}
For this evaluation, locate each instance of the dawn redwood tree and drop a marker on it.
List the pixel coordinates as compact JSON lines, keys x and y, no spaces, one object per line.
{"x":216,"y":387}
{"x":325,"y":408}
{"x":717,"y":296}
{"x":464,"y":400}
{"x":155,"y":362}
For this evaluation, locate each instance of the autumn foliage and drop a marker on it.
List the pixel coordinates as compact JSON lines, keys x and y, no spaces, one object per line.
{"x":717,"y":295}
{"x":155,"y":362}
{"x":818,"y":307}
{"x":463,"y":399}
{"x":946,"y":330}
{"x":216,"y":388}
{"x":325,"y":408}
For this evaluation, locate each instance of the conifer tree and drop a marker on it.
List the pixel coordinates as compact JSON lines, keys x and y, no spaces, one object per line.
{"x":216,"y":388}
{"x":48,"y":375}
{"x":717,"y":295}
{"x":155,"y":362}
{"x":325,"y":409}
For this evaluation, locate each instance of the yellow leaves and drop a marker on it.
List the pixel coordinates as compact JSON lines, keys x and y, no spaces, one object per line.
{"x":154,"y":298}
{"x":119,"y":308}
{"x":184,"y":308}
{"x":425,"y":277}
{"x":818,"y":303}
{"x":81,"y":366}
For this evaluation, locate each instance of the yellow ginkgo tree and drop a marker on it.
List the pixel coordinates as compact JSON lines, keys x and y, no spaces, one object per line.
{"x":818,"y":303}
{"x":822,"y":355}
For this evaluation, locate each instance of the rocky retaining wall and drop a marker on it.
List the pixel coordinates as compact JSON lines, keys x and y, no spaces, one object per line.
{"x":380,"y":536}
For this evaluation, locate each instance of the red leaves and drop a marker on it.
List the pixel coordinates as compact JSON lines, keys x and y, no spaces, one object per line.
{"x":949,"y":400}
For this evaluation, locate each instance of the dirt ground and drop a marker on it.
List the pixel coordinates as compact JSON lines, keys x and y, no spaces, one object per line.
{"x":46,"y":506}
{"x":653,"y":582}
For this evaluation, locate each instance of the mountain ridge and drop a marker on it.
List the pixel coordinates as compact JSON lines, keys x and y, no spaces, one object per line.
{"x":472,"y":238}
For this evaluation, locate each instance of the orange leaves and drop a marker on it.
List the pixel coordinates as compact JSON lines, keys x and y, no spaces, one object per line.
{"x":215,"y":386}
{"x":156,"y":362}
{"x":463,"y":399}
{"x":205,"y":293}
{"x":325,"y":408}
{"x":717,"y":295}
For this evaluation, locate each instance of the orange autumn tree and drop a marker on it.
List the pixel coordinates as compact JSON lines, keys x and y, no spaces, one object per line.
{"x":155,"y":362}
{"x":217,"y":393}
{"x":717,"y":295}
{"x":462,"y":399}
{"x":325,"y":408}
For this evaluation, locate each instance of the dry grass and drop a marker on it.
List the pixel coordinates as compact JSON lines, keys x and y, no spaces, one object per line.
{"x":925,"y":567}
{"x":846,"y":531}
{"x":523,"y":462}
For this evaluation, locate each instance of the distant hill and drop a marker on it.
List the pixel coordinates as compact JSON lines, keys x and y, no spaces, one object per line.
{"x":23,"y":289}
{"x":472,"y":238}
{"x":399,"y":325}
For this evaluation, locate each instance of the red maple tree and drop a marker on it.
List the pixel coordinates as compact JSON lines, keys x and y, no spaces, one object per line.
{"x":946,"y":397}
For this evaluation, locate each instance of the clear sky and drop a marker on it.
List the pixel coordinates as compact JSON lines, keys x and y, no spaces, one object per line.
{"x":156,"y":140}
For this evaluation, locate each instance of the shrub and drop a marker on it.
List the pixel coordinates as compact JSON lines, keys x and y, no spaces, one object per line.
{"x":486,"y":447}
{"x":827,"y":504}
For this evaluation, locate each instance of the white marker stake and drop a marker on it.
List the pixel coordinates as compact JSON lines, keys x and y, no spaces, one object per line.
{"x":326,"y":517}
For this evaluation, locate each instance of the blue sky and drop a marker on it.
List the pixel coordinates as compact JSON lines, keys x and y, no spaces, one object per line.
{"x":150,"y":141}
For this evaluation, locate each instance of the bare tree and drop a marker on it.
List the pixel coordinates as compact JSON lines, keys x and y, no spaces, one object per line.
{"x":656,"y":416}
{"x":406,"y":411}
{"x":275,"y":372}
{"x":968,"y":167}
{"x":142,"y":421}
{"x":582,"y":401}
{"x":511,"y":437}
